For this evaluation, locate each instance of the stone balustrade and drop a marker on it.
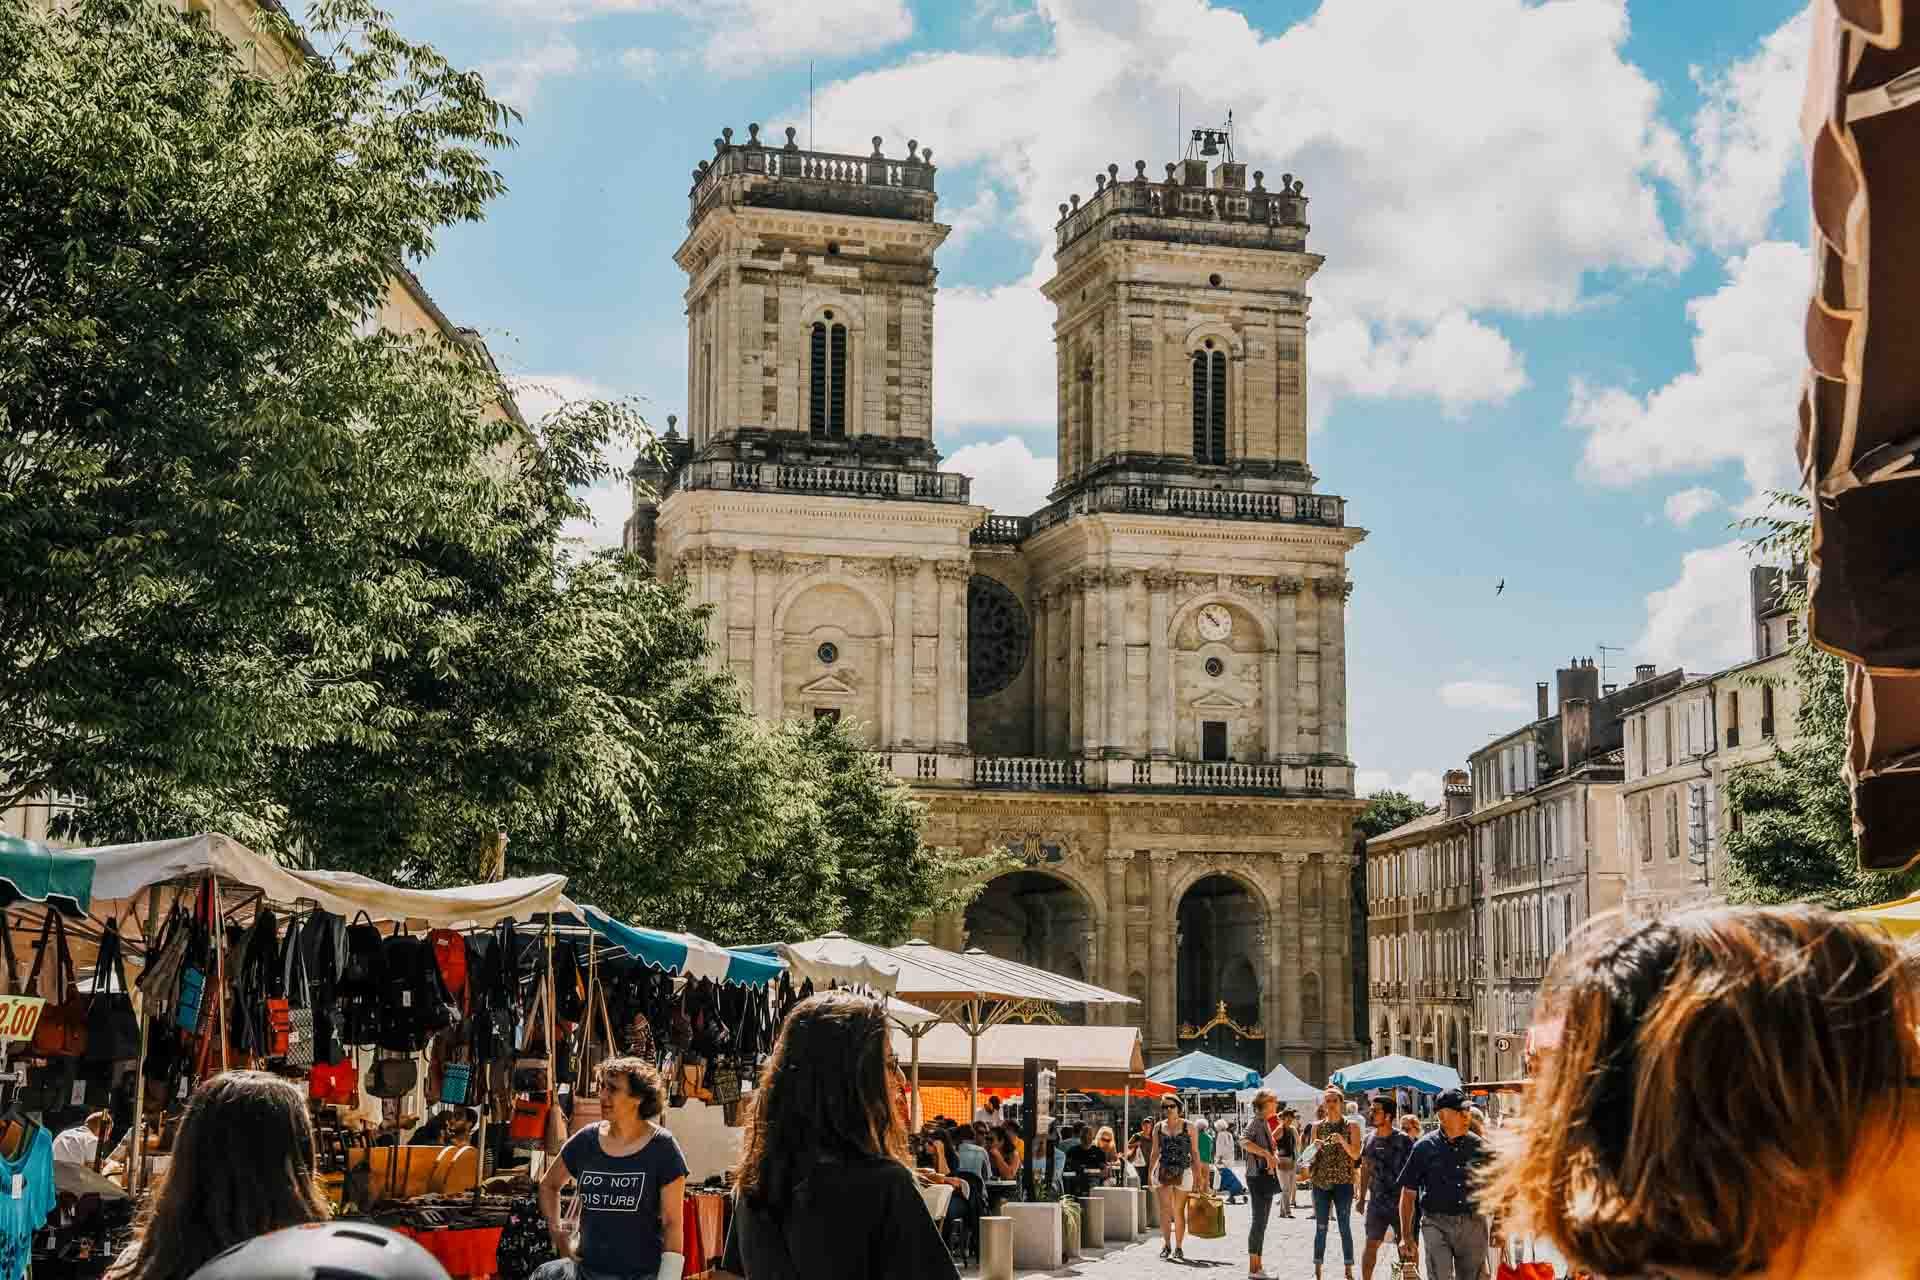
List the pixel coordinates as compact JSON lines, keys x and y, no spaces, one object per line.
{"x":806,"y":178}
{"x":832,"y":481}
{"x":1294,"y":777}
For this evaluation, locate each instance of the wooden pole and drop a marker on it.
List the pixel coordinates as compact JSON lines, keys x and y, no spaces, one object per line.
{"x":220,"y":964}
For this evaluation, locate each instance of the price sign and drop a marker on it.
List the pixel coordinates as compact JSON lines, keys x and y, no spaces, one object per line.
{"x":19,"y":1016}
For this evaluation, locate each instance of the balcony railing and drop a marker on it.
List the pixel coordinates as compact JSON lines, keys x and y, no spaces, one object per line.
{"x":753,"y":161}
{"x":830,"y":481}
{"x":1195,"y":502}
{"x":1003,"y":531}
{"x":1074,"y":773}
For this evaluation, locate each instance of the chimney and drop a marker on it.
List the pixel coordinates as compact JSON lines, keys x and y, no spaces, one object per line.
{"x":1541,"y":710}
{"x":1576,"y":730}
{"x":1644,"y":672}
{"x":1581,"y":679}
{"x":1230,"y":175}
{"x":1194,"y":172}
{"x":1457,"y":790}
{"x":1608,"y":690}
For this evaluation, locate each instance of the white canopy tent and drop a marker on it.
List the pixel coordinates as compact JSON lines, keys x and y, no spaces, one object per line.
{"x":1285,"y":1086}
{"x":835,"y":958}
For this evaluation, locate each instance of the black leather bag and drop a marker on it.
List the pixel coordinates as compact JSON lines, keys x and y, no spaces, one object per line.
{"x":113,"y":1032}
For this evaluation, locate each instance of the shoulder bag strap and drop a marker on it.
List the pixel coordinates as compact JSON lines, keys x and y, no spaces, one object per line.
{"x":13,"y":966}
{"x":40,"y":955}
{"x":65,"y":975}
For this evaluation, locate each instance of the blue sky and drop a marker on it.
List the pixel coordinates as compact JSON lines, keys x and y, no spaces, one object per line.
{"x":1556,"y":340}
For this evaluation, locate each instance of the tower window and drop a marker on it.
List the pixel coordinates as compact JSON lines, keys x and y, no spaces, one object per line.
{"x":1210,"y":406}
{"x":1213,"y":740}
{"x":826,"y":715}
{"x":827,"y":405}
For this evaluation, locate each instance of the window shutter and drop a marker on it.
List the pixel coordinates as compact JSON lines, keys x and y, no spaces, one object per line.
{"x":817,"y":380}
{"x":837,"y":393}
{"x":1217,"y":410}
{"x":1200,"y":380}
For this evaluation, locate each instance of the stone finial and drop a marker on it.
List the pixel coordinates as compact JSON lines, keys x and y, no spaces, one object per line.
{"x":1286,"y":182}
{"x":791,"y":144}
{"x":753,"y":134}
{"x":927,"y":155}
{"x":719,"y":145}
{"x":1171,"y":166}
{"x":876,"y":147}
{"x":727,"y":133}
{"x":1259,"y":176}
{"x":673,"y":421}
{"x":1139,"y":170}
{"x":1113,"y":173}
{"x":1075,"y":201}
{"x":1099,"y":183}
{"x":1299,"y":187}
{"x":1063,"y":209}
{"x":913,"y":150}
{"x":702,"y":170}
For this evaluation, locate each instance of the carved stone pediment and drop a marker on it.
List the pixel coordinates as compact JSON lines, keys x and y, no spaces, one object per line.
{"x":828,"y":686}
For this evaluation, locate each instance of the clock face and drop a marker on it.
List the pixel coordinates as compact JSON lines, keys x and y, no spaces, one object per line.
{"x":1216,"y":622}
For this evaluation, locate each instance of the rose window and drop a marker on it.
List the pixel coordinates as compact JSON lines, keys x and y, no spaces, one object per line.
{"x":996,"y":636}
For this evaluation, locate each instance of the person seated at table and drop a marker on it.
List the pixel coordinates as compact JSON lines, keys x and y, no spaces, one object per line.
{"x":242,"y":1166}
{"x":1086,"y":1163}
{"x":1004,"y":1151}
{"x":453,"y":1127}
{"x":81,"y":1144}
{"x":1108,"y":1146}
{"x":972,"y":1152}
{"x":823,"y":1191}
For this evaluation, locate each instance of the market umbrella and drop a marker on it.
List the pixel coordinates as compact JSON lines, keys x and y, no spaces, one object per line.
{"x":833,"y":958}
{"x":1203,"y":1073}
{"x":1396,"y":1071}
{"x":683,"y":952}
{"x":1900,"y":918}
{"x":32,"y":872}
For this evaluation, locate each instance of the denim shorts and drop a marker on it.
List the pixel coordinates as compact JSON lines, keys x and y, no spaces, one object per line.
{"x":1383,"y":1215}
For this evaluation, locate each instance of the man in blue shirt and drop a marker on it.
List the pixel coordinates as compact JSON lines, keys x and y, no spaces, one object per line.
{"x":1382,"y":1157}
{"x":1437,"y":1187}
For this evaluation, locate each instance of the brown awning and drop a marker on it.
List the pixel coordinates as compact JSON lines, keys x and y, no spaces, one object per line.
{"x":1859,"y":430}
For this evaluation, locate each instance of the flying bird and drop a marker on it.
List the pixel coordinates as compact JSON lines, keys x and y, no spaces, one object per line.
{"x":1500,"y":587}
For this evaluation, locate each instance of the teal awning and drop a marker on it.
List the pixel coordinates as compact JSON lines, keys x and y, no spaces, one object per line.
{"x":32,"y":872}
{"x":1203,"y":1073}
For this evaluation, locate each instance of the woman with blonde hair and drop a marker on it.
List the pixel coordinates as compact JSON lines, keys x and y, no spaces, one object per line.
{"x":1732,"y":1092}
{"x":1336,"y":1141}
{"x":1171,"y":1163}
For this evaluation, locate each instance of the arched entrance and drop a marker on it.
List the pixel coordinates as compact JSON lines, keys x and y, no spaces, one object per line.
{"x":1221,"y":955}
{"x":1038,"y":919}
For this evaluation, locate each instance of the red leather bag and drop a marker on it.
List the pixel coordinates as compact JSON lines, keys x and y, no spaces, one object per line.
{"x":334,"y":1082}
{"x":529,"y":1122}
{"x":62,"y":1032}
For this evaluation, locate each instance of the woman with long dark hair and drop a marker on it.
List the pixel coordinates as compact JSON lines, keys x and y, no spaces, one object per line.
{"x":242,"y":1166}
{"x":825,"y":1192}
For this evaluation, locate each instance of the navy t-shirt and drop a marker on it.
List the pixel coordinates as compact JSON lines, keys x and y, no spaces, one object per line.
{"x":1384,"y":1158}
{"x":1440,"y":1171}
{"x":620,"y":1200}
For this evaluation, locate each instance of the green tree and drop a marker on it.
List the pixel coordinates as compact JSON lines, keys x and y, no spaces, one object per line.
{"x":1386,"y":810}
{"x":1790,"y":830}
{"x":276,"y":571}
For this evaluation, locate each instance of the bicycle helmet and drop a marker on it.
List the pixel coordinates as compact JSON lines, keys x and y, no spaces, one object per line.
{"x":325,"y":1251}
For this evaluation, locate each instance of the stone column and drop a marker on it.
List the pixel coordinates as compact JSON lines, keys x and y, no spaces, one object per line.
{"x":1290,"y":1030}
{"x":905,"y":569}
{"x":1162,"y":1042}
{"x":1075,"y":692}
{"x":952,"y":676}
{"x":1159,"y":665}
{"x":1115,"y":976}
{"x":1285,"y":716}
{"x":718,"y":592}
{"x":1336,"y":968}
{"x":1119,"y":585}
{"x":1037,"y":657}
{"x":1093,"y":617}
{"x":766,"y":671}
{"x":1333,"y":594}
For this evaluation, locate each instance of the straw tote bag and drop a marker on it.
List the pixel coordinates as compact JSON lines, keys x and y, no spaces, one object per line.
{"x":586,"y":1105}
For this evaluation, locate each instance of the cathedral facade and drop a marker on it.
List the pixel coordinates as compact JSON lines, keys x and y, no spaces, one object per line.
{"x":1138,"y":690}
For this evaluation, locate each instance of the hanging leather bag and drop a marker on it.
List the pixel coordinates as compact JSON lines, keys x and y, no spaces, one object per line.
{"x":586,"y":1105}
{"x":62,"y":1032}
{"x":393,"y":1077}
{"x":113,"y":1030}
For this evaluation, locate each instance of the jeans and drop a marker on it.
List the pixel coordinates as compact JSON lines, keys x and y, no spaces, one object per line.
{"x":569,"y":1269}
{"x":1337,"y":1199}
{"x":1455,"y":1245}
{"x":1262,"y":1188}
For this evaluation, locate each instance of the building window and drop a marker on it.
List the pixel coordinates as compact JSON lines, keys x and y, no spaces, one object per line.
{"x":1733,"y":717}
{"x":1666,"y":732}
{"x":1673,"y":827}
{"x":1766,"y":711}
{"x":1210,"y":405}
{"x":827,"y":407}
{"x":1640,"y":741}
{"x":826,"y":715}
{"x":1213,"y":739}
{"x":1646,"y":829}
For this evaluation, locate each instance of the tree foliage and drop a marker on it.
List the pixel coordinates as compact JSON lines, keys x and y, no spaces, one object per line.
{"x":1790,"y":834}
{"x":1386,"y":810}
{"x":277,"y":570}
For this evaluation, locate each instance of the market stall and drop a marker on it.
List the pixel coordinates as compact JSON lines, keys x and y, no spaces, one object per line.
{"x":1285,"y":1086}
{"x":1396,"y":1071}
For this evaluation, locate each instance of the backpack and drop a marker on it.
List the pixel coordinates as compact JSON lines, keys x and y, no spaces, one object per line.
{"x":413,"y":1004}
{"x":362,"y":982}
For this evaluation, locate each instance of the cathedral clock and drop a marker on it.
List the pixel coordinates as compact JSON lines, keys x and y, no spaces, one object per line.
{"x":996,"y":636}
{"x":1216,"y":622}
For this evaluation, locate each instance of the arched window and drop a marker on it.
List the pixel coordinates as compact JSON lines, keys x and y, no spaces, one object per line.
{"x":827,"y":407}
{"x":1210,"y":404}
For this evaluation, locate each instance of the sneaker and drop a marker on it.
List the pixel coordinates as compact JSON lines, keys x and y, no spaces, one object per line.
{"x":1180,"y":1255}
{"x":1166,"y":1251}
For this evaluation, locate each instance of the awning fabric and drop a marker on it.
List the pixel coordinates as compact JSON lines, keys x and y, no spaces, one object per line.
{"x":1284,"y":1085}
{"x":928,"y":973}
{"x":683,"y":952}
{"x":32,"y":872}
{"x":1858,"y":434}
{"x":1901,"y":918}
{"x":834,"y":958}
{"x":1089,"y":1057}
{"x":122,"y":871}
{"x":1397,"y":1071}
{"x":1204,"y":1073}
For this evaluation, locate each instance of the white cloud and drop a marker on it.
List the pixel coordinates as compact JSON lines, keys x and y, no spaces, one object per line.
{"x":640,"y":63}
{"x":969,"y":220}
{"x":1736,"y":404}
{"x":1515,"y":151}
{"x":1746,"y":135}
{"x":610,"y":501}
{"x":1006,"y":475}
{"x":744,"y":36}
{"x":1422,"y":784}
{"x":1486,"y":695}
{"x":1701,"y":622}
{"x":516,"y":80}
{"x":1684,"y":506}
{"x":988,"y":365}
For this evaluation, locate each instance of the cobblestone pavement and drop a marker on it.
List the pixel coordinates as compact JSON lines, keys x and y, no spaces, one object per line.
{"x":1289,"y":1253}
